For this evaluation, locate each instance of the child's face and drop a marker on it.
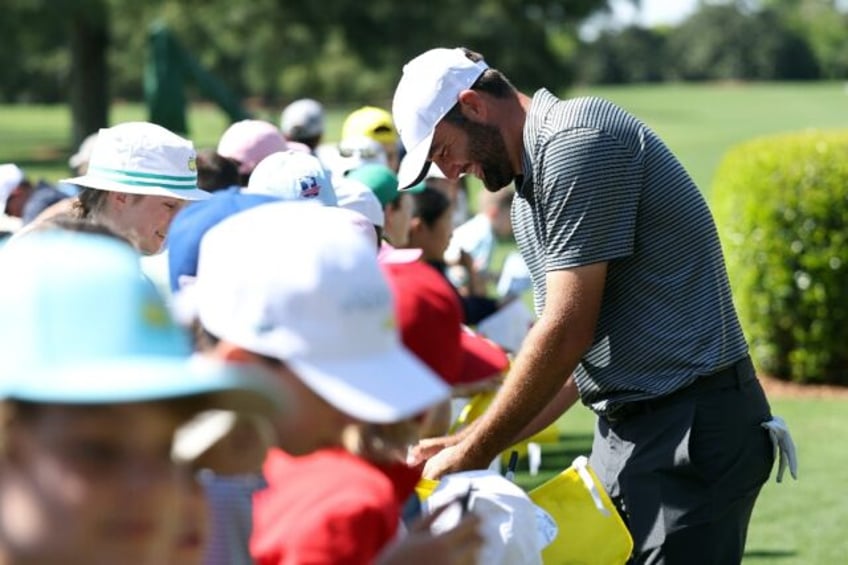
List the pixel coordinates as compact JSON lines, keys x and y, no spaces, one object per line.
{"x":432,"y":240}
{"x":91,"y":485}
{"x":398,"y":217}
{"x":310,"y":423}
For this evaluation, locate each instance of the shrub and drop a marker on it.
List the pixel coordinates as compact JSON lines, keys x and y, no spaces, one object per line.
{"x":781,"y":205}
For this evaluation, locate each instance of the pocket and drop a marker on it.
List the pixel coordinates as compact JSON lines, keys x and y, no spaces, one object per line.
{"x":728,"y":449}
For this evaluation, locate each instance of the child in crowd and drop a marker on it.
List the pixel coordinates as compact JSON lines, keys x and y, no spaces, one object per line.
{"x":319,"y":315}
{"x":477,"y":237}
{"x":430,"y":230}
{"x":377,"y":124}
{"x":247,"y":142}
{"x":139,"y":176}
{"x":95,"y":381}
{"x":396,"y":205}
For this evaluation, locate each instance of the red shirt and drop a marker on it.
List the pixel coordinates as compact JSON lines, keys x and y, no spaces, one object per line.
{"x":329,"y":507}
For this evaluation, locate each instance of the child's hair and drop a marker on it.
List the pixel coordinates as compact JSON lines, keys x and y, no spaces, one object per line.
{"x":429,"y":204}
{"x":214,"y":171}
{"x":91,"y":202}
{"x":72,"y":223}
{"x":203,"y":340}
{"x":381,"y":443}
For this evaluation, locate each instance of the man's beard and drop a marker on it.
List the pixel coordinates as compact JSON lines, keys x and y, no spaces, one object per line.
{"x":487,"y":149}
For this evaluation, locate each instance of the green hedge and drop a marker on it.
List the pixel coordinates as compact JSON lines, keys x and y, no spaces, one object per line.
{"x":781,"y":205}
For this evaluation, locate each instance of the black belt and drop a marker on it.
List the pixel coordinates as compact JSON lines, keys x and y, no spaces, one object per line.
{"x":733,"y":376}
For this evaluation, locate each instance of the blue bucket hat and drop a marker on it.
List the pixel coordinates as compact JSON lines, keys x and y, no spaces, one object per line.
{"x":79,"y":324}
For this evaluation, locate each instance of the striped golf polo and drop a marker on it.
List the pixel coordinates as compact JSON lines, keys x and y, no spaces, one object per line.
{"x":599,"y":185}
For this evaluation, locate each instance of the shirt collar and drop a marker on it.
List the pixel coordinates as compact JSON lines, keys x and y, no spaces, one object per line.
{"x":541,"y":104}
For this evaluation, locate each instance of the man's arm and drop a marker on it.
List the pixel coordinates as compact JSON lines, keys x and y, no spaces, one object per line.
{"x":556,"y":407}
{"x":551,"y":350}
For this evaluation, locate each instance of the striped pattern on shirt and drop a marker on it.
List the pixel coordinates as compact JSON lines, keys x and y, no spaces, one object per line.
{"x":600,"y":186}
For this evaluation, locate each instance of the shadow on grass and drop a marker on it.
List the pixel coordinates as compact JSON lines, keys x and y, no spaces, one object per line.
{"x":556,"y":457}
{"x":769,"y":553}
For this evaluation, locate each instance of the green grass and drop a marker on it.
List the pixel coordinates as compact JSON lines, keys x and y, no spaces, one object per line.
{"x":799,"y":522}
{"x":700,"y":122}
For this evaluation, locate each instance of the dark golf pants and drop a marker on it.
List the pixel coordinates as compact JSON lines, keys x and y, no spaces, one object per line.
{"x":686,"y":470}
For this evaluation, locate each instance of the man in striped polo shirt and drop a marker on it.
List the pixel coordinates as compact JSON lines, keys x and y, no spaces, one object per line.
{"x":635,"y":313}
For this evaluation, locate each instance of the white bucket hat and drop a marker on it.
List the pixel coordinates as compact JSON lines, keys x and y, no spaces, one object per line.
{"x":79,"y":324}
{"x":142,"y":158}
{"x":319,"y":303}
{"x":428,"y":89}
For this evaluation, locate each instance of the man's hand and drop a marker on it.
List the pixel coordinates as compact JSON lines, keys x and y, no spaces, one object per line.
{"x":454,"y":459}
{"x":427,"y":448}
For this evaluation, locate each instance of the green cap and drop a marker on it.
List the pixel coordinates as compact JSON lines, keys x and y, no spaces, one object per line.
{"x":382,"y":181}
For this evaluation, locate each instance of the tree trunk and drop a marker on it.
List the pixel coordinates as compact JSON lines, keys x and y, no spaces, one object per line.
{"x":89,"y":88}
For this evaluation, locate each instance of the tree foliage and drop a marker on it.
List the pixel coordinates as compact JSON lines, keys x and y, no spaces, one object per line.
{"x":742,"y":40}
{"x":722,"y":42}
{"x":282,"y":49}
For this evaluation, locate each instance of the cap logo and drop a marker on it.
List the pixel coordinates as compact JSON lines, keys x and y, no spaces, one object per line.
{"x":192,"y":163}
{"x":154,"y":314}
{"x":309,"y":187}
{"x":365,"y":299}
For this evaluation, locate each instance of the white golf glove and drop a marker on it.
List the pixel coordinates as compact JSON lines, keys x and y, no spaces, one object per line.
{"x":784,"y":447}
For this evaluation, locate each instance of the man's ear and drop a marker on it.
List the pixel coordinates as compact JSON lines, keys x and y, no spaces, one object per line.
{"x":473,"y":105}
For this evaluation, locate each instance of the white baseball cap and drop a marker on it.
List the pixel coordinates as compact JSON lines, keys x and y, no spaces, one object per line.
{"x":10,"y":177}
{"x":428,"y":89}
{"x":302,"y":119}
{"x":356,"y":196}
{"x":83,"y":154}
{"x":292,"y":176}
{"x":142,"y":158}
{"x":320,"y":304}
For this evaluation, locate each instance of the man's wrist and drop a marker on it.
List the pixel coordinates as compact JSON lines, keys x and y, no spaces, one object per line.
{"x":477,"y":452}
